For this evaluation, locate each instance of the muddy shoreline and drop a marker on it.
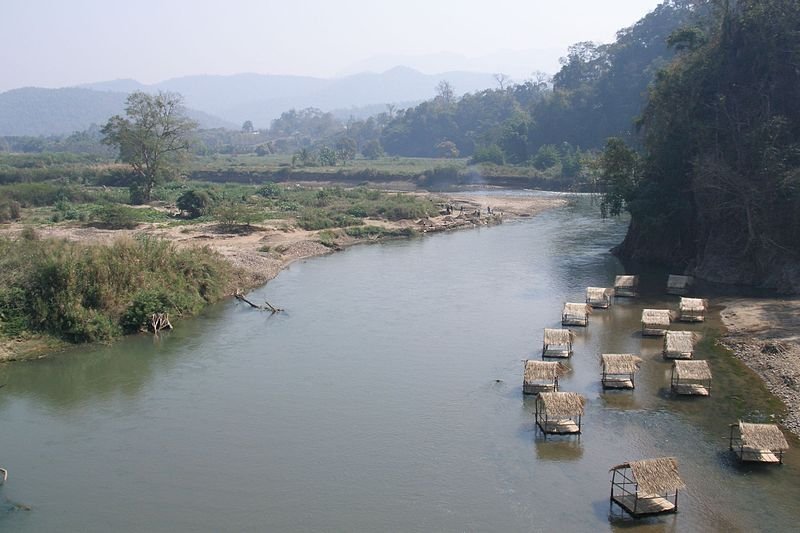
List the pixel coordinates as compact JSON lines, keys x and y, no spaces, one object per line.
{"x":765,"y":334}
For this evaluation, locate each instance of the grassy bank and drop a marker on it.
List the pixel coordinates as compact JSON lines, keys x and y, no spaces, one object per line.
{"x":81,"y":292}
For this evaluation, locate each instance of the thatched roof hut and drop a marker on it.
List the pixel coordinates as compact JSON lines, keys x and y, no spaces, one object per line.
{"x":761,"y":443}
{"x":693,"y":309}
{"x":679,"y":344}
{"x":620,"y":363}
{"x":619,"y":370}
{"x":655,"y":321}
{"x":647,"y":487}
{"x":626,"y":286}
{"x":575,"y":314}
{"x":678,"y":284}
{"x":599,"y":297}
{"x":559,"y":412}
{"x":541,"y":376}
{"x":691,"y":377}
{"x":557,"y":342}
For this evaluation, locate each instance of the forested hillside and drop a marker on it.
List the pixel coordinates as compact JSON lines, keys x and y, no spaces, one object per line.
{"x":599,"y":92}
{"x":718,"y":189}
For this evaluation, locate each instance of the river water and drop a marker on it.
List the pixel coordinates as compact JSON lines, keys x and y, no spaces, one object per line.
{"x":387,"y":398}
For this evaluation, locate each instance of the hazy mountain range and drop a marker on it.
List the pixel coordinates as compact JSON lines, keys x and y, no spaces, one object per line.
{"x":227,"y":101}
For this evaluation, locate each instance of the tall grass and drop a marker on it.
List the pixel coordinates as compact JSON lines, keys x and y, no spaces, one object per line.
{"x":85,"y":292}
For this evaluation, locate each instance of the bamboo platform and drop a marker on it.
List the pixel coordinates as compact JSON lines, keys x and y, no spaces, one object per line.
{"x":644,"y":504}
{"x":564,"y":426}
{"x":617,"y":383}
{"x":753,"y":455}
{"x":650,"y":331}
{"x":536,"y":388}
{"x":562,"y":353}
{"x":690,"y":389}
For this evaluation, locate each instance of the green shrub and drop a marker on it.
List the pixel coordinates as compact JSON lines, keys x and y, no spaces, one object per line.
{"x":85,"y":292}
{"x":195,"y":203}
{"x":116,"y":217}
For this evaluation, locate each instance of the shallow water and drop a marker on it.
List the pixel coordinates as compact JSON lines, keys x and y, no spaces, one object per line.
{"x":387,"y":398}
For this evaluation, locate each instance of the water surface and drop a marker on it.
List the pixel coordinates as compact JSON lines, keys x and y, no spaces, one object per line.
{"x":387,"y":398}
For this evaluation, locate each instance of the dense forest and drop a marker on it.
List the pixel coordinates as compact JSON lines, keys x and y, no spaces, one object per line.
{"x":716,"y":190}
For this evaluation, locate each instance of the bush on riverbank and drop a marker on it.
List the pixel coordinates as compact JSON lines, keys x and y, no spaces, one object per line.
{"x":84,"y":293}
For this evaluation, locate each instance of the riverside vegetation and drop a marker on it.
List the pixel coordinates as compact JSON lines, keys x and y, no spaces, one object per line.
{"x":82,"y":291}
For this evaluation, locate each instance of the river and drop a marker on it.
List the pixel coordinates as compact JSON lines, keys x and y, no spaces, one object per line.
{"x":387,"y":398}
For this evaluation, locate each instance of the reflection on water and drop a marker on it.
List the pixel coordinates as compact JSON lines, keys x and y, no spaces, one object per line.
{"x":388,"y":397}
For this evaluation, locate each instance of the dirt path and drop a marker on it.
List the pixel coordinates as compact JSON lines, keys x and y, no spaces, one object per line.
{"x":765,"y":334}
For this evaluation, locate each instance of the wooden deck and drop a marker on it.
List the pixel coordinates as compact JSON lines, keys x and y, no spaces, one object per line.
{"x":644,"y":504}
{"x":753,"y":455}
{"x":677,"y":355}
{"x":617,"y":383}
{"x":582,"y":322}
{"x":626,"y":292}
{"x":690,"y":389}
{"x":536,"y":388}
{"x":562,"y":353}
{"x":691,"y":318}
{"x":564,"y":426}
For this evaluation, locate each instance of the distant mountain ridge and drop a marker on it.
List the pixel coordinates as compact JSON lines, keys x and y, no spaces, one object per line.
{"x":225,"y":101}
{"x":263,"y":97}
{"x":36,"y":111}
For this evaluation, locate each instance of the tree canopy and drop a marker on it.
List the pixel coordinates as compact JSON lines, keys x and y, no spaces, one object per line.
{"x":151,"y":138}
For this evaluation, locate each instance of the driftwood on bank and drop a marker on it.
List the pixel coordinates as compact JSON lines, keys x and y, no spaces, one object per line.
{"x":159,"y":321}
{"x":239,"y":295}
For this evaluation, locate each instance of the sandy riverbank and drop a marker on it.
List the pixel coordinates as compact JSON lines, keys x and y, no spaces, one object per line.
{"x":765,"y":334}
{"x":258,"y":253}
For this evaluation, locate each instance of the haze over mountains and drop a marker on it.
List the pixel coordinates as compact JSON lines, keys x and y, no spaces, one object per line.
{"x":226,"y":101}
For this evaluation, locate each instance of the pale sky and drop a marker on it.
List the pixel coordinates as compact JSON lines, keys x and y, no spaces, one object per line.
{"x":56,"y":43}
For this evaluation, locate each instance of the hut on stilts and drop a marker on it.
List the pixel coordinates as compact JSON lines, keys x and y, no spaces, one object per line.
{"x":678,"y":284}
{"x":599,"y":297}
{"x":541,"y":376}
{"x":627,"y":286}
{"x":692,"y":309}
{"x":619,"y":370}
{"x":575,"y":314}
{"x":559,"y":413}
{"x":691,"y":378}
{"x":557,"y":343}
{"x":679,"y":345}
{"x":646,"y":487}
{"x":758,"y":443}
{"x":655,"y":322}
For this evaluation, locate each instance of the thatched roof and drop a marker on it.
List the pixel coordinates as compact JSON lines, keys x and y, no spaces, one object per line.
{"x":598,"y":293}
{"x":692,"y":370}
{"x":762,"y":436}
{"x":562,"y":404}
{"x":655,"y":476}
{"x":558,"y":336}
{"x":626,"y":281}
{"x":693,"y":304}
{"x":656,"y":317}
{"x":573,"y":309}
{"x":620,"y":363}
{"x":543,"y":370}
{"x":678,"y":282}
{"x":679,"y":341}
